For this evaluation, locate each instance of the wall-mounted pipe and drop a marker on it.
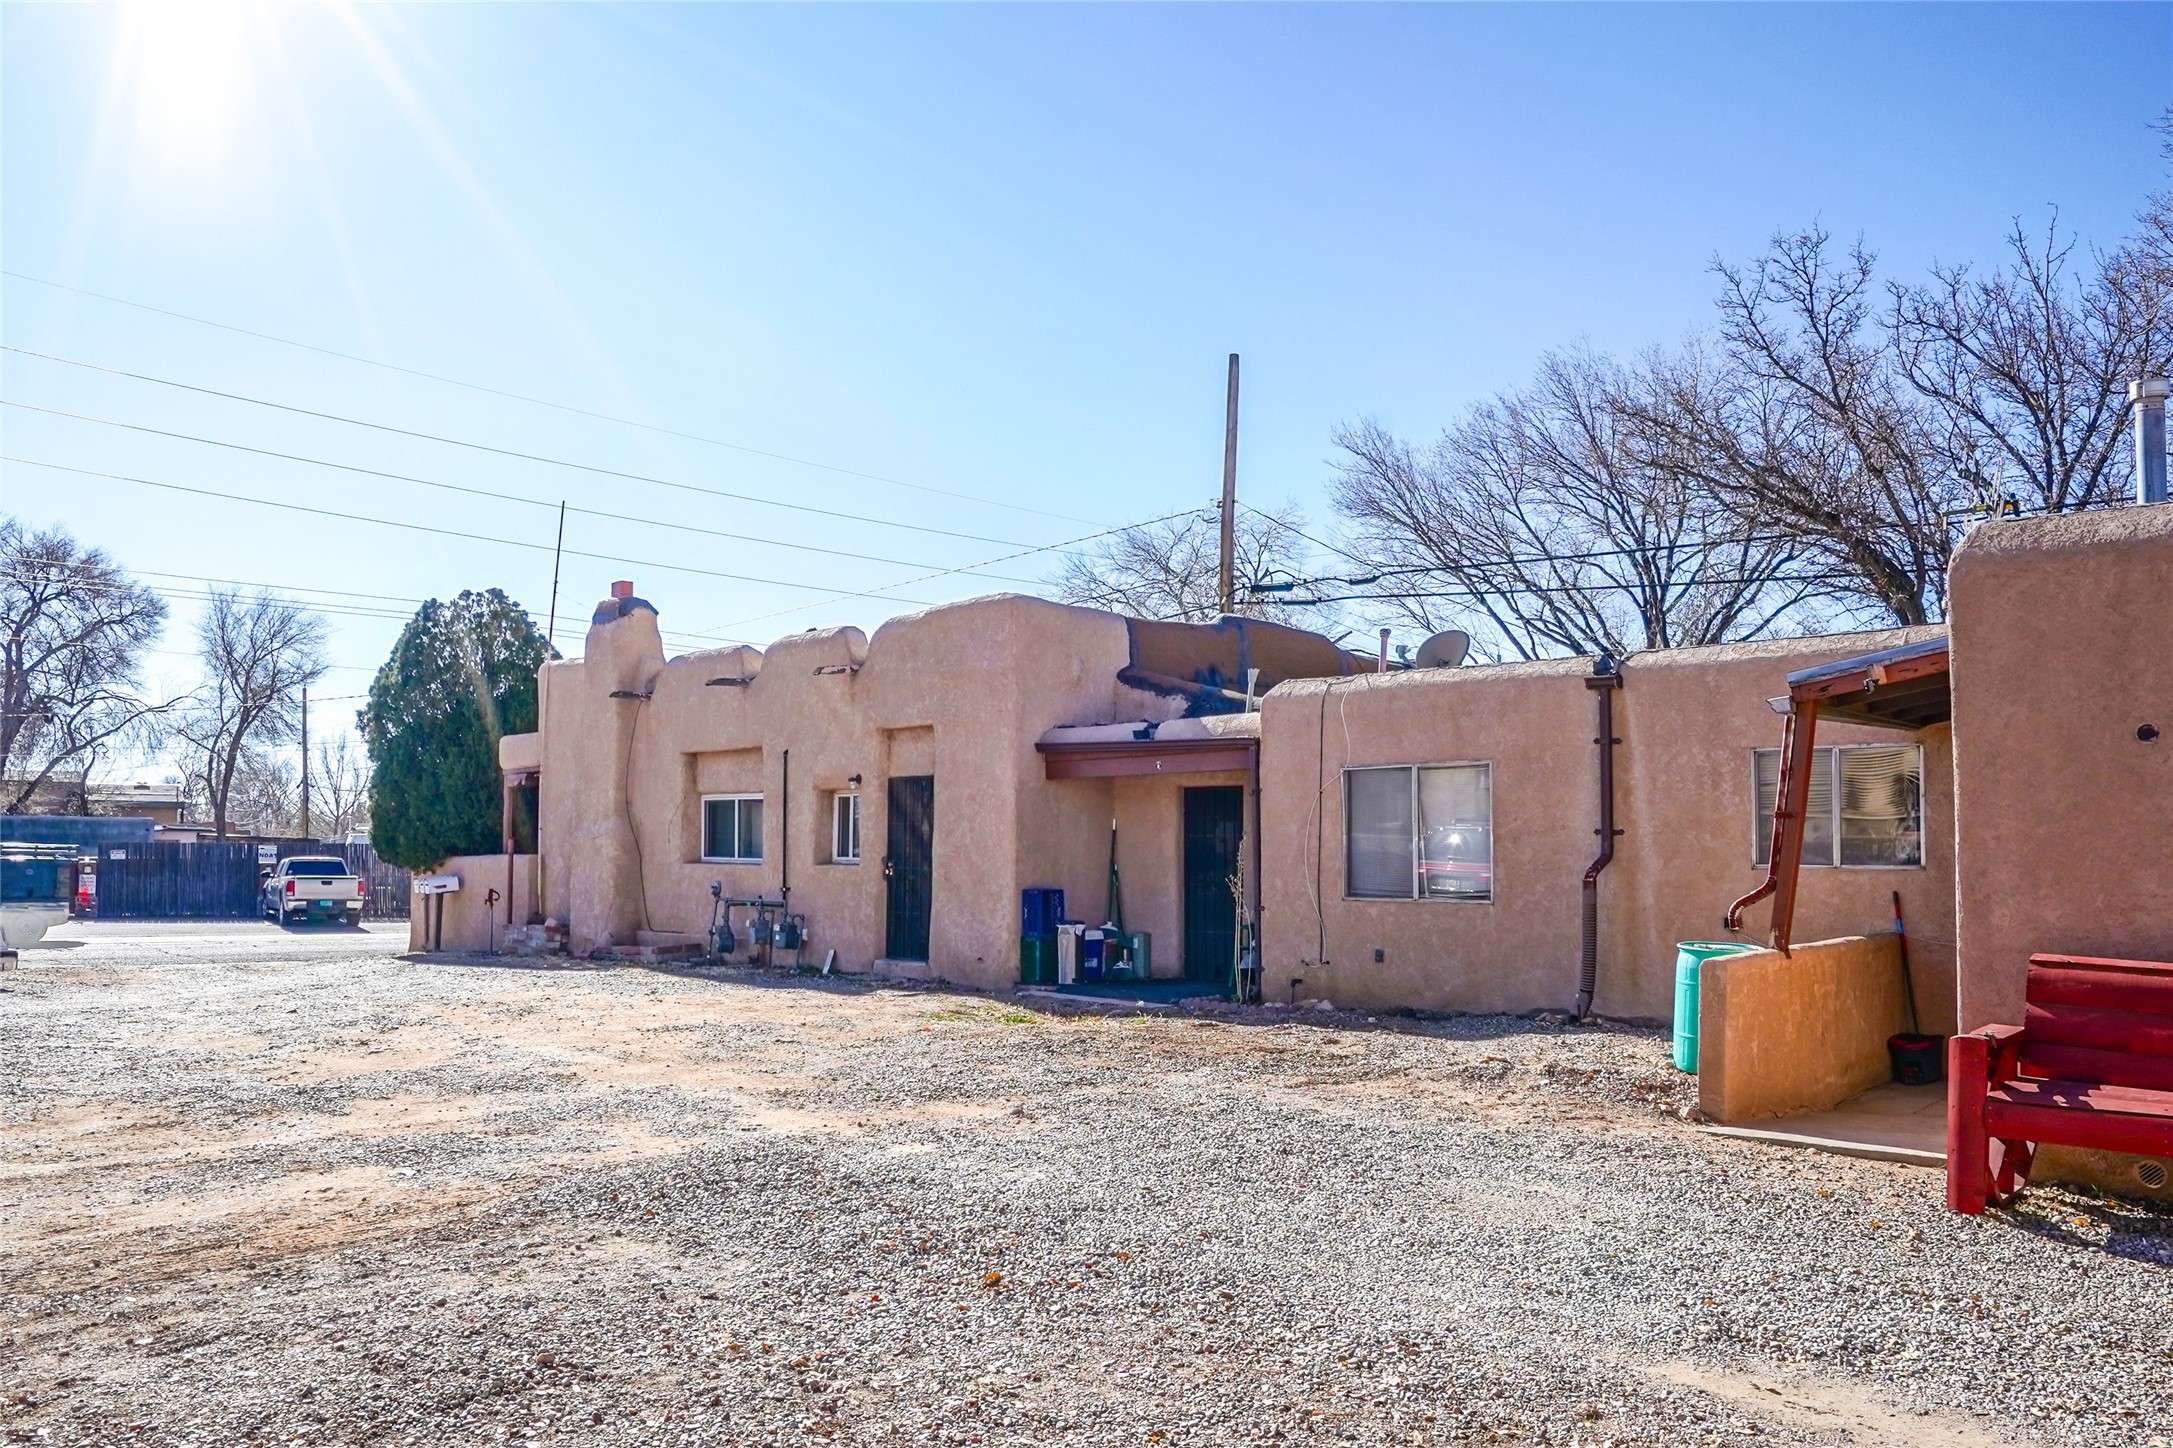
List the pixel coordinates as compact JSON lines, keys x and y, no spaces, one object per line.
{"x":1605,"y":679}
{"x":1791,"y":799}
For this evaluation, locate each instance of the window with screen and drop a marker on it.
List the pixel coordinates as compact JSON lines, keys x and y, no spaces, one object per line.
{"x":1865,"y":810}
{"x":732,"y":828}
{"x":1419,"y":832}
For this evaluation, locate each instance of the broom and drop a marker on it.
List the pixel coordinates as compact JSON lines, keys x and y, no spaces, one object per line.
{"x":1901,"y":939}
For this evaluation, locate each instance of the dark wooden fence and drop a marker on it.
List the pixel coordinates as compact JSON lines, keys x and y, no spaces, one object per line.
{"x":177,"y":882}
{"x":219,"y":880}
{"x":389,"y":884}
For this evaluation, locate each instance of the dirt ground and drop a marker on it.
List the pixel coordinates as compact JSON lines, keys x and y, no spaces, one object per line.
{"x":263,"y":1185}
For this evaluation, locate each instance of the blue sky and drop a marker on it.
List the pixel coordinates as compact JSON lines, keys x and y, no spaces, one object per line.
{"x":994,"y":251}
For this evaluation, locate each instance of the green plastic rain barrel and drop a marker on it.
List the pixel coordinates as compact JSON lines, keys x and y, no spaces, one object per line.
{"x":1689,"y":956}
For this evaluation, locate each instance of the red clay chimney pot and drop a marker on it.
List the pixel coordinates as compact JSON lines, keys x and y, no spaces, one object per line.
{"x":624,"y":588}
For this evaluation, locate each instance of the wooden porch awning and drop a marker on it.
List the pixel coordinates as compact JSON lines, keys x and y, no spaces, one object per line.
{"x":1179,"y":746}
{"x":1904,"y":688}
{"x":1898,"y":688}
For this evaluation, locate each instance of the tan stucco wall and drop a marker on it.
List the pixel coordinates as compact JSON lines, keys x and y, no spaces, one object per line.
{"x":1801,"y":1032}
{"x":962,"y":692}
{"x":470,"y":923}
{"x":2062,"y":650}
{"x":1688,"y":720}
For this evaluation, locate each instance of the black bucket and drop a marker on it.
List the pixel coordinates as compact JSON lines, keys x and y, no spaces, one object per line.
{"x":1918,"y":1059}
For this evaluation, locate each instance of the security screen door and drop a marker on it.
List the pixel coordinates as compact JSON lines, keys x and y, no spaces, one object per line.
{"x":909,"y":867}
{"x":1214,"y":831}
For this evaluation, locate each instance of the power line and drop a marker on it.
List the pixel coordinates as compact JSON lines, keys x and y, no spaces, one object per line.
{"x":510,"y":452}
{"x":885,"y":594}
{"x":439,"y":532}
{"x":1469,"y":594}
{"x":1294,"y":528}
{"x":950,"y":572}
{"x":480,"y":492}
{"x":290,"y":594}
{"x":333,"y":668}
{"x":1689,"y":546}
{"x":543,"y":402}
{"x":287,"y":592}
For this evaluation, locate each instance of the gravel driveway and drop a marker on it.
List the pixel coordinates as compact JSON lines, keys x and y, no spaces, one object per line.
{"x":269,"y":1186}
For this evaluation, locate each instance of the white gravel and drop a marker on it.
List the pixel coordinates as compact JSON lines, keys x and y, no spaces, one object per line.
{"x":267,"y":1186}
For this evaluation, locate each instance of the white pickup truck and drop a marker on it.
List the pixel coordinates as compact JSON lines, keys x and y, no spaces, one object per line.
{"x":313,"y":887}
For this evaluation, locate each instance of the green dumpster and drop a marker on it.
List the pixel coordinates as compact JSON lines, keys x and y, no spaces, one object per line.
{"x":1690,"y":955}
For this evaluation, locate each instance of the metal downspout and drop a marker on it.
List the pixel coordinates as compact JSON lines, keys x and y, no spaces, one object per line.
{"x":1606,"y":678}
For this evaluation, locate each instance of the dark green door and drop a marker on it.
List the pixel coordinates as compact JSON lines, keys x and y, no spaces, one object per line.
{"x":909,"y":867}
{"x":1214,"y":840}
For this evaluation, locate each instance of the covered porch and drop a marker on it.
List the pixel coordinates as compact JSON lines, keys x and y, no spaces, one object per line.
{"x":1182,"y":799}
{"x":1795,"y":1037}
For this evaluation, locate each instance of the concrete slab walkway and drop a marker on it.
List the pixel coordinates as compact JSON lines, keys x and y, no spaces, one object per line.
{"x":1887,"y":1123}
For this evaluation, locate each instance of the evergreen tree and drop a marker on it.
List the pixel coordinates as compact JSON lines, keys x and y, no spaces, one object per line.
{"x":461,"y":674}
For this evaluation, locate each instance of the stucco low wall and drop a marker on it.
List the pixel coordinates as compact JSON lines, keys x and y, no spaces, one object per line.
{"x":1800,"y":1032}
{"x":471,"y":923}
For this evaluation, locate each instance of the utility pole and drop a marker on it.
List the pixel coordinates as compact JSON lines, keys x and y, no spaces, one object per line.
{"x":557,"y":549}
{"x":305,"y":764}
{"x":1228,"y":576}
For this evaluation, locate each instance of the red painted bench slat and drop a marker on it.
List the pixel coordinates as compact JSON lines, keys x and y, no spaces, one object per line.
{"x":2100,"y":1030}
{"x":2144,"y":994}
{"x":2105,"y":965}
{"x":2080,"y":1096}
{"x":2149,"y":1136}
{"x":2080,"y":1063}
{"x":2091,"y":1066}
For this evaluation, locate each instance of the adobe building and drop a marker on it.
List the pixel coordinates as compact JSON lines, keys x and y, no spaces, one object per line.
{"x":898,"y":792}
{"x":2062,"y":699}
{"x":1427,"y":832}
{"x":1432,"y":829}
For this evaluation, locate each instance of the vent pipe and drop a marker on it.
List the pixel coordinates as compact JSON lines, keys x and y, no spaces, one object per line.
{"x":2148,"y":397}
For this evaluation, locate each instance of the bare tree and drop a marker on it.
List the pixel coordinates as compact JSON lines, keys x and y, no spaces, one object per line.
{"x":258,"y":652}
{"x":1817,"y":432}
{"x":1542,"y":523}
{"x":340,"y":786}
{"x":266,"y":795}
{"x":73,"y":632}
{"x":1805,"y":427}
{"x":1171,"y":569}
{"x":2029,"y":365}
{"x":2146,"y":262}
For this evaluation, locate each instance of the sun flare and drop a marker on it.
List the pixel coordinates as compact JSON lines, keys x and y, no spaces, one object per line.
{"x":187,"y":67}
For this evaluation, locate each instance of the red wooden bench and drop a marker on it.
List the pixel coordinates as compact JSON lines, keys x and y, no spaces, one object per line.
{"x":2090,"y":1066}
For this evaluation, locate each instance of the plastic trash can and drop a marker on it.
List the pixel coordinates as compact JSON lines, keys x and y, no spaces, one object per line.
{"x":1690,"y":956}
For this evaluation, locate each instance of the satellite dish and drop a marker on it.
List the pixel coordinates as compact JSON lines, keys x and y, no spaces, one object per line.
{"x":1443,"y":651}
